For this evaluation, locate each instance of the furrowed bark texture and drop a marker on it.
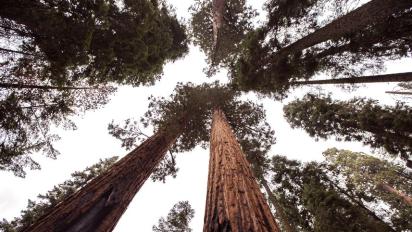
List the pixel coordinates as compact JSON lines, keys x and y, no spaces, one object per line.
{"x":234,"y":201}
{"x":395,"y":77}
{"x":98,"y":206}
{"x":369,"y":13}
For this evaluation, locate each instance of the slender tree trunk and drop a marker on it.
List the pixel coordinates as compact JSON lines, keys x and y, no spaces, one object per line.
{"x":395,"y":77}
{"x":44,"y":87}
{"x":218,"y":8}
{"x":5,"y":50}
{"x":98,"y":206}
{"x":399,"y":92}
{"x":372,"y":12}
{"x":234,"y":201}
{"x":360,"y":204}
{"x":279,"y":210}
{"x":387,"y":188}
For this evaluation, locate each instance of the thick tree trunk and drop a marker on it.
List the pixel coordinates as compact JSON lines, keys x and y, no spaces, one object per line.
{"x":234,"y":201}
{"x":399,"y":92}
{"x":99,"y":205}
{"x":387,"y":188}
{"x":395,"y":77}
{"x":44,"y":87}
{"x":279,"y":210}
{"x":371,"y":12}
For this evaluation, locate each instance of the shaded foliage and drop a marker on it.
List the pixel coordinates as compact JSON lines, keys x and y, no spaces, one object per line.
{"x":177,"y":220}
{"x":387,"y":127}
{"x":313,"y":202}
{"x":46,"y":202}
{"x":94,"y":40}
{"x":363,"y":174}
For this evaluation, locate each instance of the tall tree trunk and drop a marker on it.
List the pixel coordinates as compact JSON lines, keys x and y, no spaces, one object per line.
{"x":372,"y":12}
{"x":399,"y":92}
{"x":234,"y":201}
{"x":387,"y":188}
{"x":218,"y":9}
{"x":44,"y":87}
{"x":98,"y":206}
{"x":395,"y":77}
{"x":279,"y":210}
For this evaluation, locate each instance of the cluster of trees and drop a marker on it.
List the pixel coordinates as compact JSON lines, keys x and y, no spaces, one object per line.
{"x":66,"y":57}
{"x":349,"y":191}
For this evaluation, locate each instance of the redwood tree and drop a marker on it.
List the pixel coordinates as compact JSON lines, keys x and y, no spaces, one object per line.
{"x":269,"y":61}
{"x":234,"y":201}
{"x":181,"y":123}
{"x":99,"y":205}
{"x":46,"y":202}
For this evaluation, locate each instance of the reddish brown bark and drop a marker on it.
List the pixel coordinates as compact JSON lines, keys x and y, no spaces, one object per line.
{"x":387,"y":188}
{"x":369,"y":13}
{"x":99,"y":205}
{"x":234,"y":201}
{"x":395,"y":77}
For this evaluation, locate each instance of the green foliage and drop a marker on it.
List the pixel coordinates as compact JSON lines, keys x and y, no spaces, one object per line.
{"x":363,"y":174}
{"x":387,"y":127}
{"x":237,"y":22}
{"x":177,"y":220}
{"x":312,"y":201}
{"x":189,"y":111}
{"x":97,"y":40}
{"x":26,"y":116}
{"x":332,"y":212}
{"x":46,"y":202}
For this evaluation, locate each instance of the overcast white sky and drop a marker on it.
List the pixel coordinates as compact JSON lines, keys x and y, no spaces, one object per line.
{"x":91,"y":142}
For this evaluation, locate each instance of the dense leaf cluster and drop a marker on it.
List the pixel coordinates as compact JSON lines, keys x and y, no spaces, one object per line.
{"x":101,"y":41}
{"x":313,"y":201}
{"x":359,"y":119}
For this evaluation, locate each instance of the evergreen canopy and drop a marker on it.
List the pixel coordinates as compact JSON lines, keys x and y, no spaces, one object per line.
{"x":102,"y":41}
{"x":359,"y":119}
